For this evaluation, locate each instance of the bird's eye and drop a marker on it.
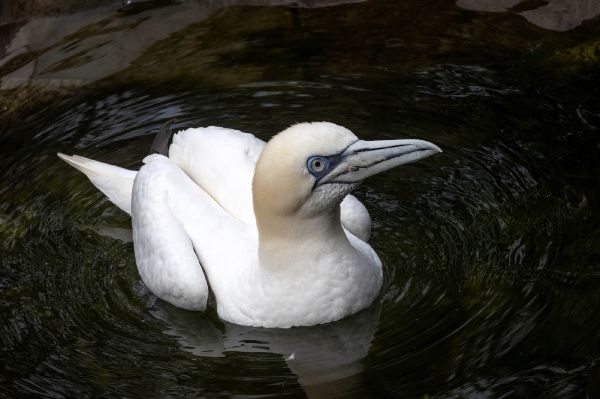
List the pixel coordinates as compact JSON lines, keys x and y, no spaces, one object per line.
{"x":317,"y":164}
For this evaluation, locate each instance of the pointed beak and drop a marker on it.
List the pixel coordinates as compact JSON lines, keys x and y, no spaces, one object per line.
{"x":367,"y":158}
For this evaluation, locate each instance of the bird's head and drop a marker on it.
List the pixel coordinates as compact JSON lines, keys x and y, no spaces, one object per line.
{"x":304,"y":172}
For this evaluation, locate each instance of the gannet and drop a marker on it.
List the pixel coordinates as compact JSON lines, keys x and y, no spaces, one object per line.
{"x":273,"y":227}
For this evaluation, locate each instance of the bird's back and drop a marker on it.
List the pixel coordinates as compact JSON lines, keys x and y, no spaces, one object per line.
{"x":221,"y":161}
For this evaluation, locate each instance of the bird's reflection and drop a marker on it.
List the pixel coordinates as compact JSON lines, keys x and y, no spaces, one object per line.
{"x":328,"y":359}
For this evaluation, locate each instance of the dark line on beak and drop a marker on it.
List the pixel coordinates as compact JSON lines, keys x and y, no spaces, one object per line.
{"x":380,"y":148}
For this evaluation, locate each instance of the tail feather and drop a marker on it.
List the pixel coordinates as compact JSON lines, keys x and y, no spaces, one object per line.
{"x":115,"y":182}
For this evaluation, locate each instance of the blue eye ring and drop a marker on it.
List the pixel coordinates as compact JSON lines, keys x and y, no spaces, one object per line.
{"x":318,"y":165}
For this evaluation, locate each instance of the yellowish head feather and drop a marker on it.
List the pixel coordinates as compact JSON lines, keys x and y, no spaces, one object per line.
{"x":283,"y":196}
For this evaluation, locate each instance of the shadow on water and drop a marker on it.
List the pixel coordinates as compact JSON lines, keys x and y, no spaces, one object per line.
{"x":491,"y":250}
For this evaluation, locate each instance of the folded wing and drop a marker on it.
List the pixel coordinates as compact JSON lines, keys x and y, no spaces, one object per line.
{"x":177,"y":227}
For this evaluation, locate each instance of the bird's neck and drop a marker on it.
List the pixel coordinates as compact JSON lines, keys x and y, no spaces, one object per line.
{"x":290,"y":240}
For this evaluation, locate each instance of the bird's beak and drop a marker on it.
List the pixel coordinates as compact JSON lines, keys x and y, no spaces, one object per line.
{"x":367,"y":158}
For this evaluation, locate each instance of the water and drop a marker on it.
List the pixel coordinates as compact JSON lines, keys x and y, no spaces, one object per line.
{"x":491,"y":250}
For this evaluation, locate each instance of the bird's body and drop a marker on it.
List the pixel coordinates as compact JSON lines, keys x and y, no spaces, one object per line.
{"x":263,"y":223}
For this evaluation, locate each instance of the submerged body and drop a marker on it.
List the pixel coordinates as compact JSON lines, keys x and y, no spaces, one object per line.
{"x":263,"y":223}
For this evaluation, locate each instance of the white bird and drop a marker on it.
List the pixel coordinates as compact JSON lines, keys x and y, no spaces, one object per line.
{"x":272,"y":226}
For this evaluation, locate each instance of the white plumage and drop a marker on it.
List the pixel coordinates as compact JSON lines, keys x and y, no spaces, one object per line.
{"x":275,"y":244}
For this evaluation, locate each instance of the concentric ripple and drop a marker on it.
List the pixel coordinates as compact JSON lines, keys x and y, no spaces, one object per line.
{"x":490,"y":248}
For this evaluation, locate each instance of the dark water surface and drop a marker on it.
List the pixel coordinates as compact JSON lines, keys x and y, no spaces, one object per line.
{"x":491,"y":250}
